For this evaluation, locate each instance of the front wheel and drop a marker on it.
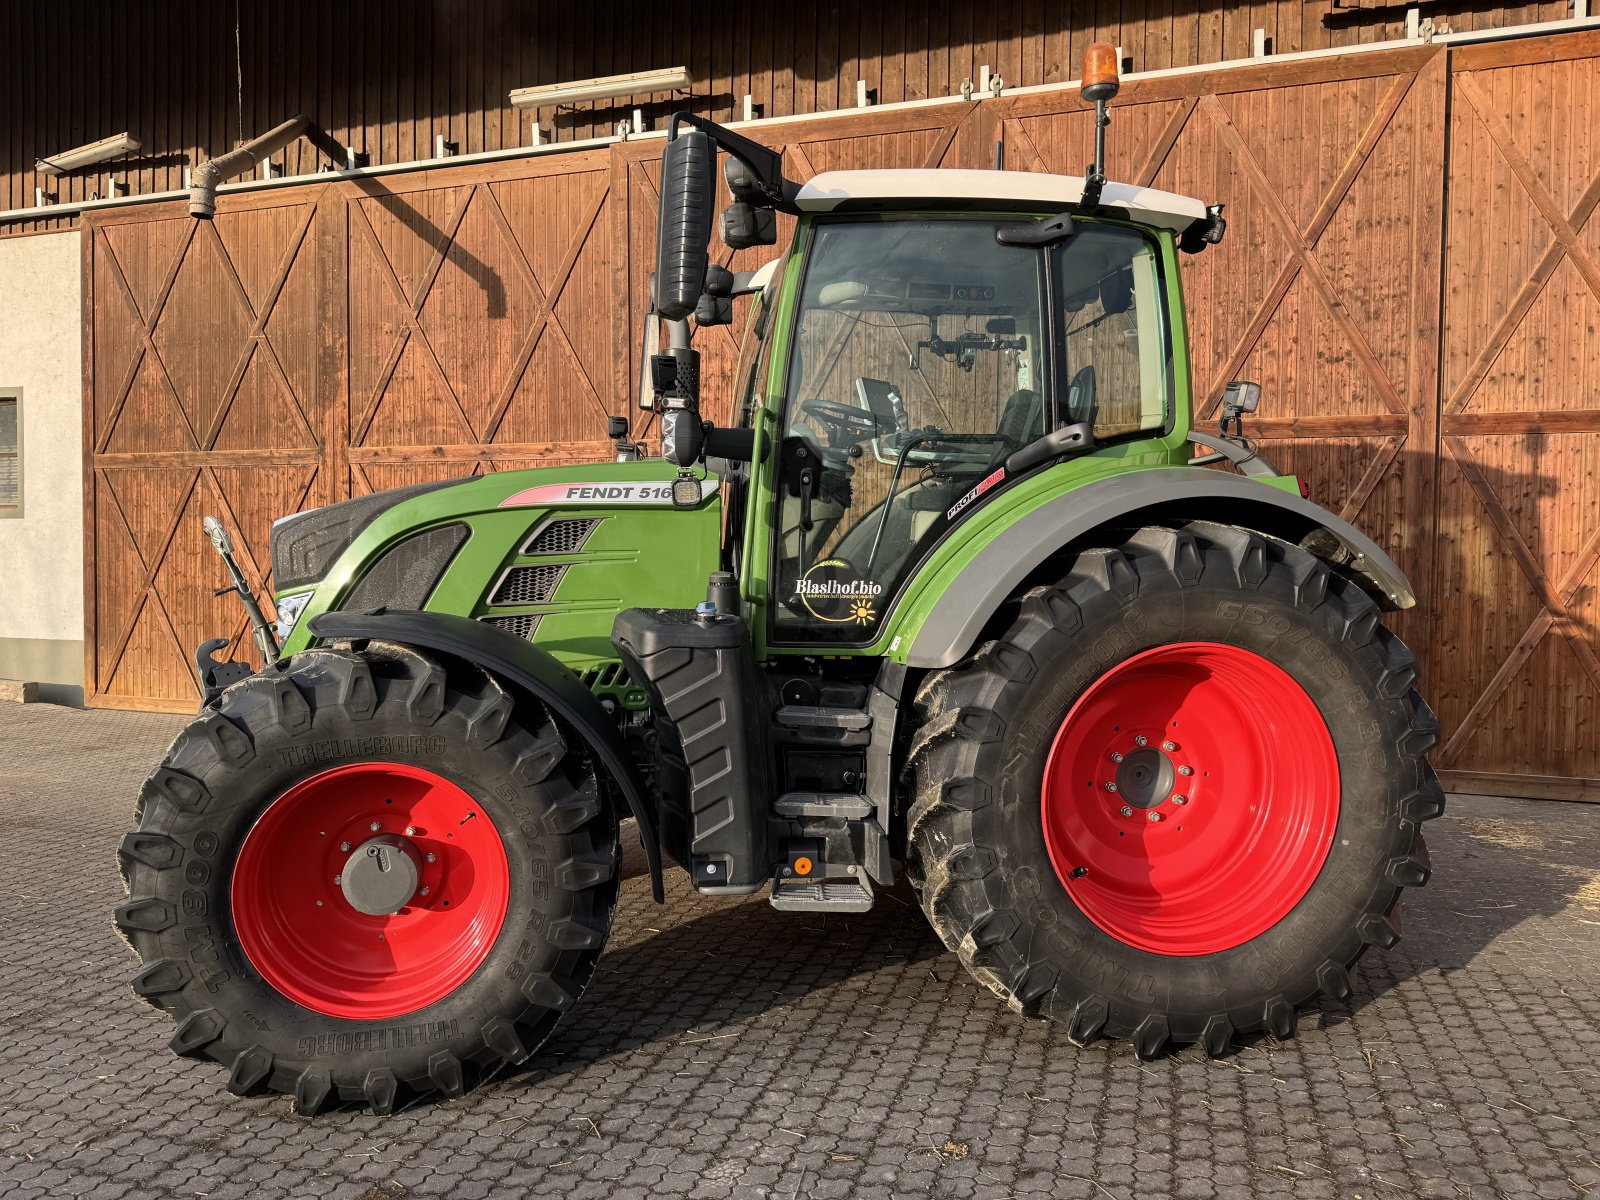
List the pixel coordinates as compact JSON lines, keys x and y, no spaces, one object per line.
{"x":1180,"y":796}
{"x":363,"y":878}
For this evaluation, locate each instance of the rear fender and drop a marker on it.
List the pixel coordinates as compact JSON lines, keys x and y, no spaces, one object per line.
{"x":523,"y":666}
{"x":956,"y":619}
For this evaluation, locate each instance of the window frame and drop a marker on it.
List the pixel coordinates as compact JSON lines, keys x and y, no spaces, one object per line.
{"x":11,"y":512}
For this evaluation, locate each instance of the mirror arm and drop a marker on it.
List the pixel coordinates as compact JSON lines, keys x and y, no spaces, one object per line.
{"x":766,"y":163}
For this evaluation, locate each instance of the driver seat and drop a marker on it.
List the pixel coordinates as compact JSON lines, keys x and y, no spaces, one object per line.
{"x":1022,"y":420}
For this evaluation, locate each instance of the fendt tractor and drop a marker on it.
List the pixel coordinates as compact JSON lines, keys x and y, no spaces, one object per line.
{"x":953,"y":594}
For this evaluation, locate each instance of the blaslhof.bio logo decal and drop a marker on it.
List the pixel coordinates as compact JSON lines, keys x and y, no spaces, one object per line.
{"x":832,"y":591}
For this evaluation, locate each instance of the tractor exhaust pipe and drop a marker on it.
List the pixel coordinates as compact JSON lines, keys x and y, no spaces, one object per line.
{"x":209,"y":174}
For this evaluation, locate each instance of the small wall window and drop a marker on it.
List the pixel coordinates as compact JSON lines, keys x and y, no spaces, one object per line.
{"x":10,"y":454}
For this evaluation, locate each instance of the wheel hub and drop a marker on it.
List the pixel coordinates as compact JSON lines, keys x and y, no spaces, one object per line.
{"x":1145,"y":777}
{"x":382,"y":875}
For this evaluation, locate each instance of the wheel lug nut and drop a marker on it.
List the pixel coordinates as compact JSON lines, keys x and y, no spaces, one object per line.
{"x":375,"y":827}
{"x":1111,"y":787}
{"x":337,"y":879}
{"x":430,"y":856}
{"x":1126,"y":811}
{"x":345,"y":846}
{"x":1180,"y":799}
{"x":1116,"y":756}
{"x":1155,"y":816}
{"x":1169,"y":747}
{"x":423,"y":890}
{"x":1185,"y":770}
{"x":1141,"y":740}
{"x":411,"y":831}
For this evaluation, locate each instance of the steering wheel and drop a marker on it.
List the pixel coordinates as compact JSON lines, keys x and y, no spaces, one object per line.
{"x":845,"y":423}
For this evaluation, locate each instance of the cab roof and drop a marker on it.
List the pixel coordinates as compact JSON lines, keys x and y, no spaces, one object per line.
{"x":937,"y":187}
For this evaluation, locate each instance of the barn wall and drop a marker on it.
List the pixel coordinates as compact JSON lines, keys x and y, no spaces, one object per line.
{"x":1411,"y":272}
{"x":387,"y":76}
{"x":41,"y":620}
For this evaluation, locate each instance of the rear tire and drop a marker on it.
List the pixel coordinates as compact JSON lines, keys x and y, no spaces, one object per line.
{"x":235,"y":883}
{"x":1093,"y":937}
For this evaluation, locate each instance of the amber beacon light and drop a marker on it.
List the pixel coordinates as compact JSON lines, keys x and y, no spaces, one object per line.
{"x":1100,"y":80}
{"x":1098,"y":85}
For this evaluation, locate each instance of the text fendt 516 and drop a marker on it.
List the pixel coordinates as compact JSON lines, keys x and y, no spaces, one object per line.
{"x":949,"y":596}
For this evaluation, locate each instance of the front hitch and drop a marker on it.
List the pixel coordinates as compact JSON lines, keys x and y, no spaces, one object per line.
{"x":216,"y":674}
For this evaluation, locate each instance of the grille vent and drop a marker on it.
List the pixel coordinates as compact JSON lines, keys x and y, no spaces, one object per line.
{"x":562,"y":537}
{"x":523,"y":624}
{"x":528,"y":585}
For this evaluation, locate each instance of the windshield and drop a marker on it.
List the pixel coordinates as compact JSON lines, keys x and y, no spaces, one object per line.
{"x":925,"y":353}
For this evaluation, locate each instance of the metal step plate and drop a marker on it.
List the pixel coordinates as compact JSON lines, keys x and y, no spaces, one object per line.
{"x":812,"y":716}
{"x":821,"y":895}
{"x":849,"y":805}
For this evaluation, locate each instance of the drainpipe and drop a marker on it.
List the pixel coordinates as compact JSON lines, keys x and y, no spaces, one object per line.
{"x":203,"y":184}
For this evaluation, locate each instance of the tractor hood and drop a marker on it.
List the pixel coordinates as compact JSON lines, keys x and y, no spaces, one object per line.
{"x":549,"y":554}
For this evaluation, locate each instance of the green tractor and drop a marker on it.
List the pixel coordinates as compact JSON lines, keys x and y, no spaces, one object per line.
{"x":950,"y":596}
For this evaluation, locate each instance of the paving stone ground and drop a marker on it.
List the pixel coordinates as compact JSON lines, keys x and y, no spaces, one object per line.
{"x":727,"y":1050}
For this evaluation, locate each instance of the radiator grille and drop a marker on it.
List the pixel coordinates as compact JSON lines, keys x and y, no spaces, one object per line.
{"x":562,"y":537}
{"x":528,"y":585}
{"x":522,"y":624}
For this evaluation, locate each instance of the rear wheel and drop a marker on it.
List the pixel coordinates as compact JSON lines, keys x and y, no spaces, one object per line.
{"x":363,"y":879}
{"x":1179,"y":796}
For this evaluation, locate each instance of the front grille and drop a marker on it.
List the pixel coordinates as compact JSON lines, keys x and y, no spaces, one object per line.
{"x":405,"y":576}
{"x":528,"y":585}
{"x":522,"y":624}
{"x":565,"y":536}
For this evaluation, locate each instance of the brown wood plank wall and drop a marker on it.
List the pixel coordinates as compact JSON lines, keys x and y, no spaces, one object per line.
{"x":386,"y":76}
{"x":1412,"y":272}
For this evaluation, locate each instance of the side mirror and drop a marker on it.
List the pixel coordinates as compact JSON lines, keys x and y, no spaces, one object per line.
{"x":688,"y":192}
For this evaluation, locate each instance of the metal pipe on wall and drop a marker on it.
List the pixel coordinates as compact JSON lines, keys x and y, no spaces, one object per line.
{"x":209,"y":174}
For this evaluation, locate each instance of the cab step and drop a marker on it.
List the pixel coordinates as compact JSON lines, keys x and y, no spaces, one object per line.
{"x":850,"y":805}
{"x":792,"y":894}
{"x":819,"y":716}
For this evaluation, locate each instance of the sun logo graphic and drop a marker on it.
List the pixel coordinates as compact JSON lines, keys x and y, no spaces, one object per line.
{"x":832,"y":591}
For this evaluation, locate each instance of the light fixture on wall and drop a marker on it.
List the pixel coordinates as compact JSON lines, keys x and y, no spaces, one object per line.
{"x":605,"y":87}
{"x":83,"y":156}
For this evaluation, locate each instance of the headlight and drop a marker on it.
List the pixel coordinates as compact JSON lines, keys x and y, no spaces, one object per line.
{"x":289,"y":610}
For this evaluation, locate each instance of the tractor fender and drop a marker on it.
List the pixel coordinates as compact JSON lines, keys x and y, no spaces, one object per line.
{"x":520,"y":665}
{"x":993,"y":575}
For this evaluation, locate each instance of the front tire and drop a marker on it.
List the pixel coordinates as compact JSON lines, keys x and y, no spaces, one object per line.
{"x":1179,"y":796}
{"x":262,"y":880}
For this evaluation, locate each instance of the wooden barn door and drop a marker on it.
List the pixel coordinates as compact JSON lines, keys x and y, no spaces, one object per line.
{"x":1518,"y":678}
{"x":209,"y":365}
{"x":480,"y":329}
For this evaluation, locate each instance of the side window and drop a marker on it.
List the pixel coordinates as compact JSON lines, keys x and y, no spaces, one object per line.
{"x":10,"y":454}
{"x":1113,"y":337}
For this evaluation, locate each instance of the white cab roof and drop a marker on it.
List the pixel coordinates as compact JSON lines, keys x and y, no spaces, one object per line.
{"x":830,"y":189}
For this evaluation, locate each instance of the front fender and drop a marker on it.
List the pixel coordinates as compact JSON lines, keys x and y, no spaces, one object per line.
{"x":954,"y":622}
{"x":521,"y":665}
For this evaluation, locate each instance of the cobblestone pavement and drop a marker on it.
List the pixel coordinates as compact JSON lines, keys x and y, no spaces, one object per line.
{"x":726,"y":1050}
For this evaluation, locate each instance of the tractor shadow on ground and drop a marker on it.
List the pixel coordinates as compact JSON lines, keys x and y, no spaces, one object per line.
{"x":733,"y":961}
{"x":1497,"y":864}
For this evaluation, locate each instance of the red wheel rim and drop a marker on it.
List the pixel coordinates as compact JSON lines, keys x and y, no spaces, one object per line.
{"x":1190,"y":798}
{"x":305,"y":936}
